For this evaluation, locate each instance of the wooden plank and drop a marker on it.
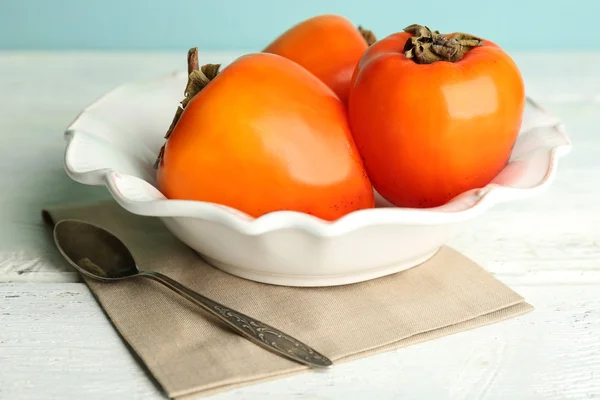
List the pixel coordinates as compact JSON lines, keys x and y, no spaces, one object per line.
{"x":555,"y":235}
{"x":56,"y":341}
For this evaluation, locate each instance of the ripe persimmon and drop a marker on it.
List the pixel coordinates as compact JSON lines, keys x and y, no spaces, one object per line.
{"x":263,"y":135}
{"x":329,"y":46}
{"x":434,"y":115}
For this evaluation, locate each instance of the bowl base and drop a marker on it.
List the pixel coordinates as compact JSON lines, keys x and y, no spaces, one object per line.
{"x":317,"y":280}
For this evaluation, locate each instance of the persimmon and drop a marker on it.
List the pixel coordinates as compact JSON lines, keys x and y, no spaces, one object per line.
{"x":434,"y":115}
{"x":329,"y":46}
{"x":262,"y":135}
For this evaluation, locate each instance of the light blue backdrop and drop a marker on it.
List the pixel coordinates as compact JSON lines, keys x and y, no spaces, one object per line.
{"x":517,"y":25}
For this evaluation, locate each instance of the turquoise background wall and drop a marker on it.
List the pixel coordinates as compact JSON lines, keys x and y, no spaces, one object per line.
{"x":517,"y":25}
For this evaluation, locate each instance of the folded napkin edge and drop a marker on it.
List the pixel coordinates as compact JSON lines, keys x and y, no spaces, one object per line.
{"x":510,"y":311}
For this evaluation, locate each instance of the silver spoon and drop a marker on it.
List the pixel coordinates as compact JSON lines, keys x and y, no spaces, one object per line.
{"x":98,"y":254}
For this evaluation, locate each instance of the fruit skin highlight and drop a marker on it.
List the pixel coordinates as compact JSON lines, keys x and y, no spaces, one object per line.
{"x":329,"y":46}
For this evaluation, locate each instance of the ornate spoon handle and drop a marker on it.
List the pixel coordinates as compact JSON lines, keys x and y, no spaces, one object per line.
{"x":256,"y":331}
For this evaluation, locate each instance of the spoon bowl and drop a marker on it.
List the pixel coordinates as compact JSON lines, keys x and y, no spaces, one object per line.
{"x":94,"y":251}
{"x":99,"y":254}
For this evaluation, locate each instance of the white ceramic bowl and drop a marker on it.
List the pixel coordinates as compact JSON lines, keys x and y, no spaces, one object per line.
{"x":115,"y":140}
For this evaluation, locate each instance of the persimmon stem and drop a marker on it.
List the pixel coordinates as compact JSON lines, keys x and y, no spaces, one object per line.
{"x":192,"y":60}
{"x":198,"y":78}
{"x":427,"y":46}
{"x":368,"y":35}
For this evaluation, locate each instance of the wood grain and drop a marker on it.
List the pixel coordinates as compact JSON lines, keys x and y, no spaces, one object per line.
{"x":55,"y":342}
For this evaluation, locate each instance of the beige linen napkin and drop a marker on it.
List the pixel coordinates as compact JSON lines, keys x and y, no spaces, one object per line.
{"x":190,"y":355}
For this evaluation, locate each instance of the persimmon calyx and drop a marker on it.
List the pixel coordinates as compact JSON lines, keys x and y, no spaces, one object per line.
{"x":368,"y":35}
{"x":198,"y":78}
{"x":427,"y":46}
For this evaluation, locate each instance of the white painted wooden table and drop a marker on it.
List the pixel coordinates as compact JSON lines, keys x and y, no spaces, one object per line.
{"x":55,"y":341}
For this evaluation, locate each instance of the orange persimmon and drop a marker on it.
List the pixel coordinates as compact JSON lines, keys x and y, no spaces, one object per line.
{"x":434,"y":115}
{"x":263,"y":135}
{"x":329,"y":46}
